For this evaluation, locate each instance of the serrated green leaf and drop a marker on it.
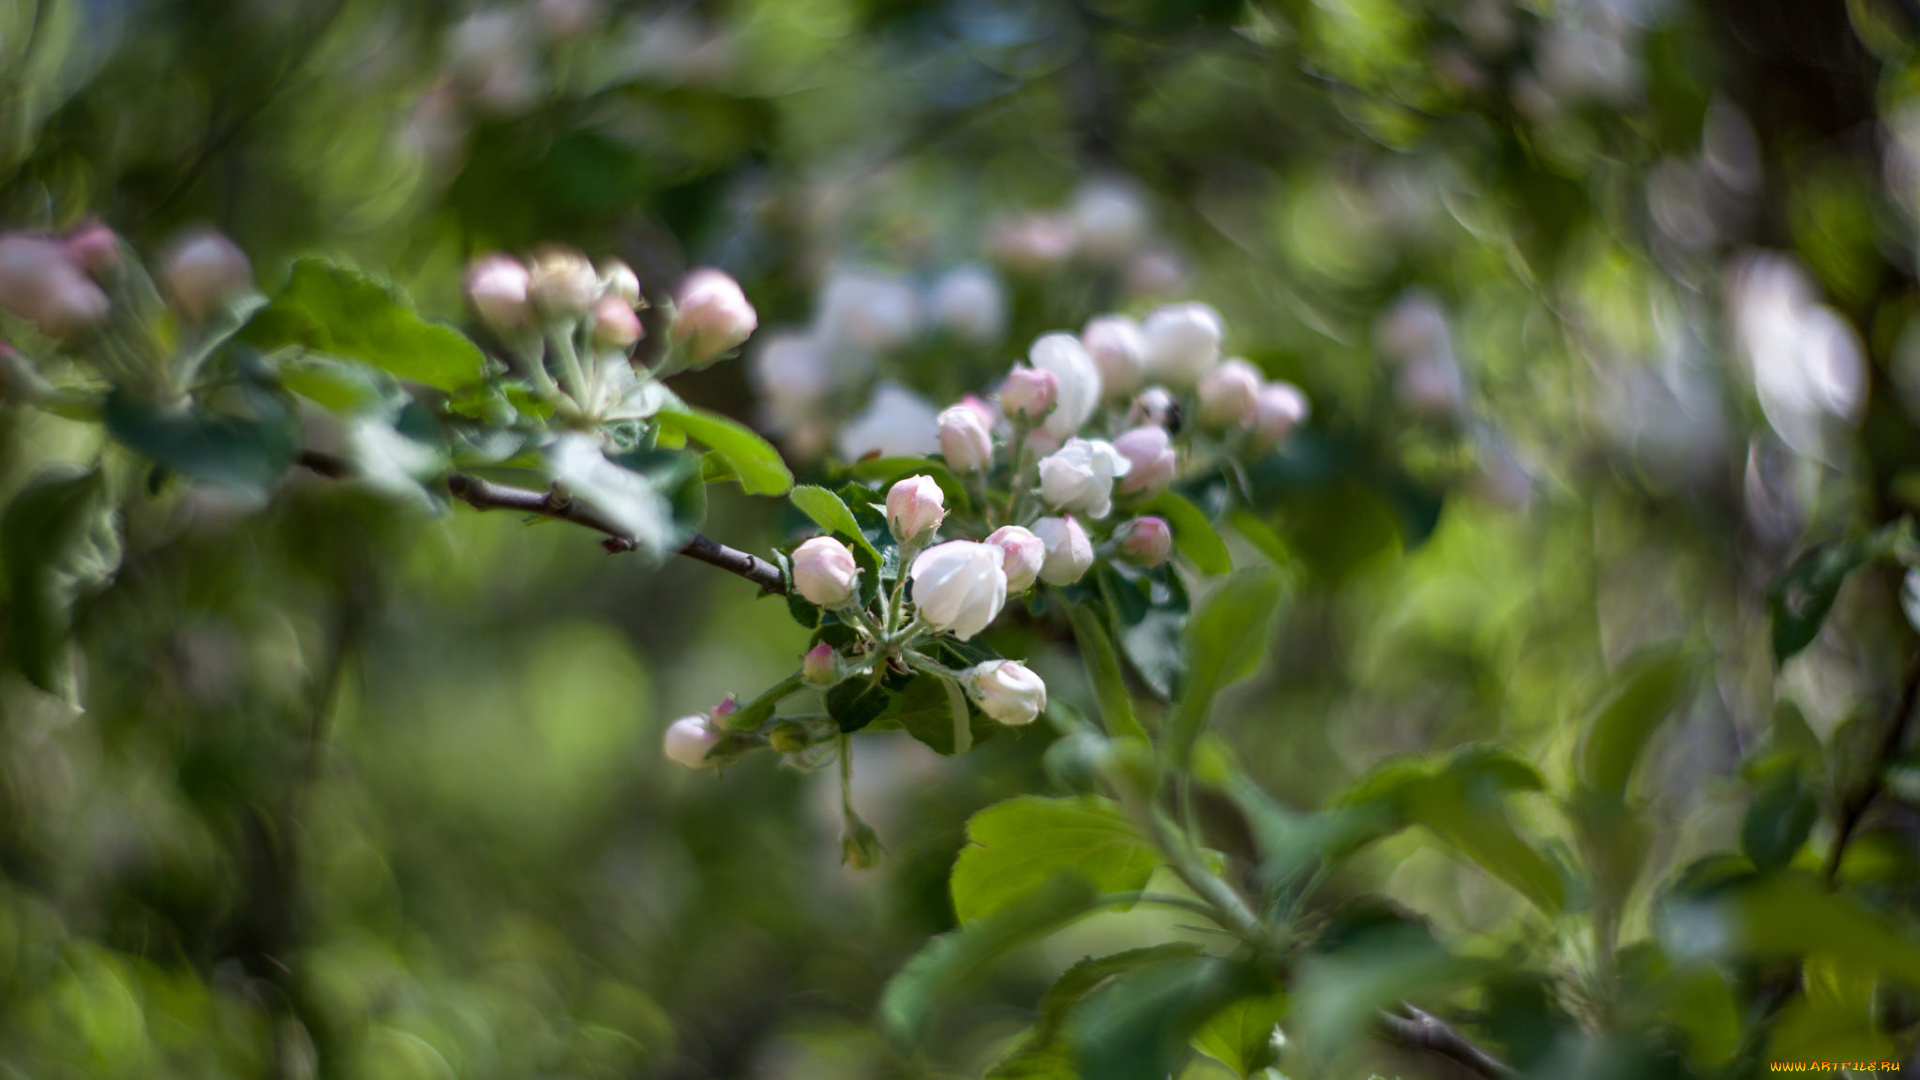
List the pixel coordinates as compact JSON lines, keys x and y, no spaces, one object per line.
{"x":1225,"y":639}
{"x":60,"y":542}
{"x":1103,"y":669}
{"x":341,"y":312}
{"x":1016,"y":847}
{"x":1193,"y":534}
{"x":754,"y":460}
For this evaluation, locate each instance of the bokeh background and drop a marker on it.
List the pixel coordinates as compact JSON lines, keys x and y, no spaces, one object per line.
{"x":1606,"y":307}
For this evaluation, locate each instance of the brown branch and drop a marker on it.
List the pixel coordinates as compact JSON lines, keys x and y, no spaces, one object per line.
{"x":487,"y":495}
{"x":1853,"y":810}
{"x":1423,"y":1031}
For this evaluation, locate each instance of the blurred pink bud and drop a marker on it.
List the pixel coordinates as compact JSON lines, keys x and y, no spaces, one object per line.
{"x":1119,"y":351}
{"x":965,"y":440}
{"x":1146,"y":541}
{"x":41,"y":282}
{"x":1069,"y":550}
{"x":727,"y":707}
{"x":1150,"y":449}
{"x":689,"y":740}
{"x":1279,"y":408}
{"x":1028,"y":393}
{"x":206,"y":272}
{"x":614,"y":323}
{"x":95,"y":248}
{"x":562,"y":282}
{"x":497,"y":289}
{"x":1032,"y":242}
{"x":915,"y":507}
{"x":824,"y":571}
{"x":711,"y":315}
{"x":1227,"y":394}
{"x":821,"y":665}
{"x":987,"y":413}
{"x":1024,"y":553}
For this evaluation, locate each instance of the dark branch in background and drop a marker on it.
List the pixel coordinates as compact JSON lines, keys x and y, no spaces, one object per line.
{"x":1853,"y":810}
{"x":487,"y":495}
{"x":1425,"y":1032}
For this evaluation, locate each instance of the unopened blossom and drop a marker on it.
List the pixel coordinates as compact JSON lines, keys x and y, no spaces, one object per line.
{"x":563,"y":283}
{"x":1277,"y":410}
{"x":1227,"y":394}
{"x":1078,"y":394}
{"x":41,"y":282}
{"x":871,"y":311}
{"x":1028,"y":393}
{"x":497,"y":289}
{"x":614,"y":323}
{"x":959,"y":587}
{"x":896,"y":423}
{"x":1146,"y":541}
{"x":1110,"y":219}
{"x":689,"y":740}
{"x":793,"y":377}
{"x":915,"y":508}
{"x":969,"y":301}
{"x":1119,"y":351}
{"x":95,"y":248}
{"x":987,"y":413}
{"x":1149,"y":450}
{"x":821,"y":665}
{"x":1031,"y":242}
{"x":1183,"y":343}
{"x":205,"y":272}
{"x":1007,"y":690}
{"x":824,"y":571}
{"x":1069,"y":549}
{"x":1155,"y":406}
{"x":711,"y":316}
{"x":618,"y":279}
{"x":1079,"y":476}
{"x":966,"y":442}
{"x":1024,"y":554}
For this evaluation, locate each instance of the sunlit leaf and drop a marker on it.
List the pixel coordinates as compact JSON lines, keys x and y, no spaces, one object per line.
{"x":1139,"y":1026}
{"x":1647,"y":690}
{"x":1193,"y":534}
{"x":1017,"y":846}
{"x":327,"y":308}
{"x":754,"y":460}
{"x":1225,"y":639}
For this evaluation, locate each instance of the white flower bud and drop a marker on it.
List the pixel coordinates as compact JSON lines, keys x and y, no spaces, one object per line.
{"x":1069,"y":550}
{"x":562,"y":283}
{"x":618,"y":279}
{"x":1109,"y":219}
{"x":965,"y":440}
{"x":1007,"y":691}
{"x":497,"y":289}
{"x":875,"y":312}
{"x":1022,"y":556}
{"x":1119,"y":351}
{"x":821,"y":665}
{"x":40,"y":281}
{"x":1183,"y":343}
{"x":206,"y":272}
{"x":1149,"y":449}
{"x":689,"y":740}
{"x":614,"y":323}
{"x":970,"y":301}
{"x":897,"y":423}
{"x":1155,"y":406}
{"x":1079,"y":476}
{"x":1227,"y":394}
{"x":915,"y":507}
{"x":1079,"y":391}
{"x":711,"y":316}
{"x":1146,"y":541}
{"x":1028,"y":394}
{"x":959,"y":586}
{"x":1279,"y":408}
{"x":824,"y":571}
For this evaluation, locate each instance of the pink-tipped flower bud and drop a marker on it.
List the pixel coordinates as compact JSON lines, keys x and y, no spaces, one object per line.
{"x":1024,"y":555}
{"x":1227,"y":394}
{"x":711,"y":316}
{"x":618,"y":279}
{"x":965,"y":440}
{"x":1069,"y":550}
{"x":1150,"y":449}
{"x":824,"y":571}
{"x":95,"y":248}
{"x":1146,"y":541}
{"x":1007,"y":690}
{"x":497,"y":289}
{"x":1156,"y":406}
{"x":615,"y":326}
{"x":915,"y":507}
{"x":1279,"y":408}
{"x":821,"y":665}
{"x":987,"y":413}
{"x":689,"y":740}
{"x":1028,"y":394}
{"x":1032,"y":242}
{"x":563,"y":284}
{"x":727,"y":707}
{"x":1119,"y":350}
{"x":41,"y":282}
{"x":205,"y":272}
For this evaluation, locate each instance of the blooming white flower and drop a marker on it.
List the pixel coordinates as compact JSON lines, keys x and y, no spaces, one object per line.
{"x":915,"y":507}
{"x":1277,"y":410}
{"x":1024,"y":554}
{"x":497,"y":289}
{"x":1079,"y":476}
{"x":897,"y":423}
{"x":1227,"y":394}
{"x":1119,"y":351}
{"x":875,"y":312}
{"x":1007,"y":690}
{"x":1028,"y":393}
{"x":204,"y":272}
{"x":1183,"y":343}
{"x":1149,"y":450}
{"x":1079,"y":391}
{"x":959,"y":586}
{"x":970,"y":301}
{"x":824,"y":571}
{"x":689,"y":740}
{"x":965,"y":439}
{"x":1069,"y":549}
{"x":711,"y":316}
{"x":563,"y":282}
{"x":1146,"y":541}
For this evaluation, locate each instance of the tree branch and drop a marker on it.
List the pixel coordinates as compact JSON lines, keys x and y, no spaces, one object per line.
{"x":1854,"y":810}
{"x":487,"y":495}
{"x":1423,"y":1031}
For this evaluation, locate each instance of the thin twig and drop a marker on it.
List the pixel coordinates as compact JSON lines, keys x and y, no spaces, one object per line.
{"x":1423,"y":1031}
{"x":1854,"y":810}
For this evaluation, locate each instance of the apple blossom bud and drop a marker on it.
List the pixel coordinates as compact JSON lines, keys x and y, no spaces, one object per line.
{"x":618,"y":279}
{"x":615,"y":326}
{"x":915,"y":508}
{"x":896,"y":423}
{"x":727,"y":707}
{"x":95,"y":248}
{"x":1227,"y":394}
{"x":987,"y":413}
{"x":788,"y":738}
{"x":859,"y":845}
{"x":1078,"y":392}
{"x":1069,"y":550}
{"x":1183,"y":343}
{"x":562,"y":283}
{"x":711,"y":315}
{"x":40,"y":281}
{"x":970,"y":301}
{"x":1119,"y":351}
{"x":1109,"y":219}
{"x":205,"y":272}
{"x":1279,"y":408}
{"x":959,"y":586}
{"x":1028,"y":394}
{"x":965,"y":440}
{"x":1155,"y":406}
{"x":1150,"y":451}
{"x":874,"y":312}
{"x":1079,"y":476}
{"x":1155,"y":272}
{"x":1146,"y":541}
{"x":689,"y":740}
{"x":821,"y":665}
{"x":497,"y":289}
{"x":1031,"y":242}
{"x":1023,"y":555}
{"x":824,"y":571}
{"x":1007,"y":690}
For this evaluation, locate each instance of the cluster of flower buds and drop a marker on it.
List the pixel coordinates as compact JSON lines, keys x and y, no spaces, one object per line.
{"x":1106,"y":224}
{"x":61,"y":284}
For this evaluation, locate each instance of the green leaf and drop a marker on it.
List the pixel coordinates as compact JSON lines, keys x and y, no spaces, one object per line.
{"x":754,"y":460}
{"x":830,"y":513}
{"x":636,"y":502}
{"x":1103,"y":668}
{"x":1192,"y":533}
{"x":60,"y":542}
{"x":857,"y":702}
{"x":1648,"y":688}
{"x":1041,"y":1051}
{"x":925,"y":710}
{"x":1365,"y":969}
{"x":1224,"y":642}
{"x":1240,"y":1036}
{"x":331,"y":309}
{"x":1791,"y":916}
{"x":1799,"y":599}
{"x":1778,"y":820}
{"x":1290,"y":841}
{"x":1149,"y":613}
{"x":886,"y":471}
{"x":1141,"y":1024}
{"x":1015,"y":847}
{"x":243,"y":453}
